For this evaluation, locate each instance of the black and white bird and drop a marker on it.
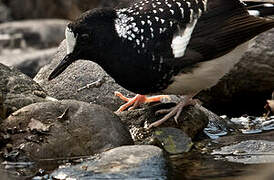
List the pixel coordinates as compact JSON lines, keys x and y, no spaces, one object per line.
{"x":164,"y":46}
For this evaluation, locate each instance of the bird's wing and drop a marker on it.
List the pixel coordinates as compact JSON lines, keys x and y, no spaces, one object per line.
{"x":224,"y":26}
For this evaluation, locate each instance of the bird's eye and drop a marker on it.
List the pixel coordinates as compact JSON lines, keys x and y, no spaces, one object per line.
{"x":84,"y":36}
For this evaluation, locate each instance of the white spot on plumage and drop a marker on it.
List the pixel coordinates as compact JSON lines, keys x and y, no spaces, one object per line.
{"x":205,"y":4}
{"x":200,"y":12}
{"x":182,"y":12}
{"x":191,"y":15}
{"x":71,"y":40}
{"x":180,"y":42}
{"x":172,"y":11}
{"x":188,"y":4}
{"x":255,"y":13}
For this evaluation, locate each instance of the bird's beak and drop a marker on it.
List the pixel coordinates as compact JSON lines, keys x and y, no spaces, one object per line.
{"x":68,"y":59}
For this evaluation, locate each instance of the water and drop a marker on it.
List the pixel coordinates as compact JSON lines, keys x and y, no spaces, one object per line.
{"x":237,"y":148}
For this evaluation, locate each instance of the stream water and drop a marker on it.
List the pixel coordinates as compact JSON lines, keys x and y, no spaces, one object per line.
{"x":240,"y":149}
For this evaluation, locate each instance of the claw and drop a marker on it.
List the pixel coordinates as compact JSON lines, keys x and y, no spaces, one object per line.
{"x":175,"y":111}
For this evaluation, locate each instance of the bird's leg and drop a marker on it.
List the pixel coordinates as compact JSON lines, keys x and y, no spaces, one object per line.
{"x":175,"y":111}
{"x":137,"y":100}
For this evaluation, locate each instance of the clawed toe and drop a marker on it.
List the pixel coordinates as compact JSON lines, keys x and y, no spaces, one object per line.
{"x":174,"y":112}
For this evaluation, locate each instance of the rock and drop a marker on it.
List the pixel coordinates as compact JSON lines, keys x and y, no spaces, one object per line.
{"x":17,"y":91}
{"x":28,"y":62}
{"x":8,"y":176}
{"x":63,"y":129}
{"x":127,"y":162}
{"x":248,"y":152}
{"x":192,"y":120}
{"x":173,"y":140}
{"x":217,"y":126}
{"x":36,"y":33}
{"x":71,"y":9}
{"x":248,"y":85}
{"x":75,"y":77}
{"x":264,"y":172}
{"x":4,"y":13}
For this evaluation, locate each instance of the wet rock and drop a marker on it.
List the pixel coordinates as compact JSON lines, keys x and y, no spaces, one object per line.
{"x":217,"y":126}
{"x":248,"y":152}
{"x":248,"y":85}
{"x":28,"y":62}
{"x":64,"y":129}
{"x":173,"y":140}
{"x":127,"y":162}
{"x":17,"y":91}
{"x":270,"y":105}
{"x":69,"y":85}
{"x":192,"y":120}
{"x":35,"y":33}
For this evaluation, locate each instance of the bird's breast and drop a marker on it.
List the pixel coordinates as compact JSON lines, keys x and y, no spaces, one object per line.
{"x":205,"y":74}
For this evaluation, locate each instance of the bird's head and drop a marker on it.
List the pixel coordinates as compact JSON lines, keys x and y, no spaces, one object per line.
{"x":87,"y":37}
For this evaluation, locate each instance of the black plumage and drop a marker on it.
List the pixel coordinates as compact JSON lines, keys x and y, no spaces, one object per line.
{"x":145,"y":45}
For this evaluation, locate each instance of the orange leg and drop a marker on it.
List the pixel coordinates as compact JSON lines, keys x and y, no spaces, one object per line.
{"x":137,"y":100}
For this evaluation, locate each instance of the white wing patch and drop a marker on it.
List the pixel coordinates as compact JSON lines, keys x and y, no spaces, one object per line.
{"x":180,"y":41}
{"x":71,"y":40}
{"x":255,"y":13}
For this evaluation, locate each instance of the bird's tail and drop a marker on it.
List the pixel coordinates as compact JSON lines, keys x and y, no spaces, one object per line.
{"x":260,"y":8}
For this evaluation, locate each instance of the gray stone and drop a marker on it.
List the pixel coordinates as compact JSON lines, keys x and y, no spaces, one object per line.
{"x":28,"y":62}
{"x":248,"y":152}
{"x":192,"y":121}
{"x":17,"y":91}
{"x":4,"y":13}
{"x":76,"y":76}
{"x":63,"y":129}
{"x":173,"y":140}
{"x":36,"y":33}
{"x":127,"y":162}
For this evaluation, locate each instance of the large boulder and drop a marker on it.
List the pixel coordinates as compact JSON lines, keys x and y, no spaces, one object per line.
{"x":69,"y":84}
{"x":63,"y":129}
{"x":17,"y":91}
{"x":127,"y":162}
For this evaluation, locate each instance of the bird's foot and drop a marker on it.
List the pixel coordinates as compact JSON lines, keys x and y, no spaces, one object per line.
{"x":174,"y":112}
{"x":138,"y":100}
